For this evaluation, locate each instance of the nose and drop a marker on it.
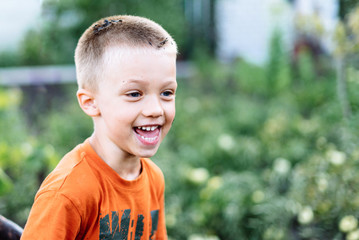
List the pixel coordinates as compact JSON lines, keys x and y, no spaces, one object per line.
{"x":153,"y":107}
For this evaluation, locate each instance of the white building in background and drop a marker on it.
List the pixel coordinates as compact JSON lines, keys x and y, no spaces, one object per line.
{"x":244,"y":28}
{"x":16,"y":17}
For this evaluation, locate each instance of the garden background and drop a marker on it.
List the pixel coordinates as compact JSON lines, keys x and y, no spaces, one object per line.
{"x":255,"y":152}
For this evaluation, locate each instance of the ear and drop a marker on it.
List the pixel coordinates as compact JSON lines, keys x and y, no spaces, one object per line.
{"x":88,"y":102}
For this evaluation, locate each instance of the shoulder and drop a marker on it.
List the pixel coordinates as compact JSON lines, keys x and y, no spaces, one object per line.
{"x":50,"y":216}
{"x":155,"y":175}
{"x":73,"y":179}
{"x":152,"y":168}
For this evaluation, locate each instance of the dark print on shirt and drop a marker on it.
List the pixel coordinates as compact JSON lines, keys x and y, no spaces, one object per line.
{"x":116,"y":229}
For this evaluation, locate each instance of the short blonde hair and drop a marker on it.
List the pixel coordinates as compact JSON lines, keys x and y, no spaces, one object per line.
{"x":125,"y":32}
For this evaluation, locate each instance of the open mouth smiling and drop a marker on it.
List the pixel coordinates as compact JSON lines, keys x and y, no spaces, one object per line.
{"x":148,"y":135}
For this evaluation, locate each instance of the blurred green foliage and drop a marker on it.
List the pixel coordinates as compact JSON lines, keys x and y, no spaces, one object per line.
{"x":252,"y":160}
{"x":254,"y":152}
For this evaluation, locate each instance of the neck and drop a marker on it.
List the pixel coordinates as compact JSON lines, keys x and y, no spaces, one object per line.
{"x":126,"y":165}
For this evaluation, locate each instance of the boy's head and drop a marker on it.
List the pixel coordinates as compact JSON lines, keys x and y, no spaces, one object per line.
{"x":128,"y":33}
{"x":126,"y":70}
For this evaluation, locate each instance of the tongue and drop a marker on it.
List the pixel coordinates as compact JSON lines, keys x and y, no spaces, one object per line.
{"x":148,"y":134}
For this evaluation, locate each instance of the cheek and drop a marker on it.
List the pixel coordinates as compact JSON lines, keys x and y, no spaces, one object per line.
{"x":171,"y":112}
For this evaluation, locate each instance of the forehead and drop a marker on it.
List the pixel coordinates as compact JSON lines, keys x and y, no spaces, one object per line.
{"x":141,"y":57}
{"x":138,"y":64}
{"x":115,"y":53}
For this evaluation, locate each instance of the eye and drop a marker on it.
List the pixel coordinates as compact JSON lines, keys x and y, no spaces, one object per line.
{"x":134,"y":94}
{"x":167,"y":93}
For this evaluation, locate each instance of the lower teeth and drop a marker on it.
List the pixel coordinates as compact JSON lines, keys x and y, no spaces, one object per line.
{"x":149,"y":139}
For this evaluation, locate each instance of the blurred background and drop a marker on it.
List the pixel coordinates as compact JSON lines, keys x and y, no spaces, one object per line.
{"x":265,"y":141}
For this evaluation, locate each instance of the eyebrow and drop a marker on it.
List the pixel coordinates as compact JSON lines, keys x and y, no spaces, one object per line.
{"x":172,"y":81}
{"x":140,"y":81}
{"x":133,"y":80}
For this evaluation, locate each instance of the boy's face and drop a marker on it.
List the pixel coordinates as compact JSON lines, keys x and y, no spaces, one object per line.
{"x":136,"y":100}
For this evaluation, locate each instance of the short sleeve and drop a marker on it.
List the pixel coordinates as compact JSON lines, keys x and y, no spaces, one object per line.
{"x":53,"y":216}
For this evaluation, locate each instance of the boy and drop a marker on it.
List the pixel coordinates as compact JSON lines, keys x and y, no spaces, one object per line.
{"x":106,"y":188}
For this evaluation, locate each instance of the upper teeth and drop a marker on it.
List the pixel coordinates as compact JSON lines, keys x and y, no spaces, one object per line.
{"x":148,"y":128}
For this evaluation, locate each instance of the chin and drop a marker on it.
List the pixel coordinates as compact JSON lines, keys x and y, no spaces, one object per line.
{"x":147,"y":154}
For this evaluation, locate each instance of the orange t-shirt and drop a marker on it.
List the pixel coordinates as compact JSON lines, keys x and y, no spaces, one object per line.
{"x":84,"y":198}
